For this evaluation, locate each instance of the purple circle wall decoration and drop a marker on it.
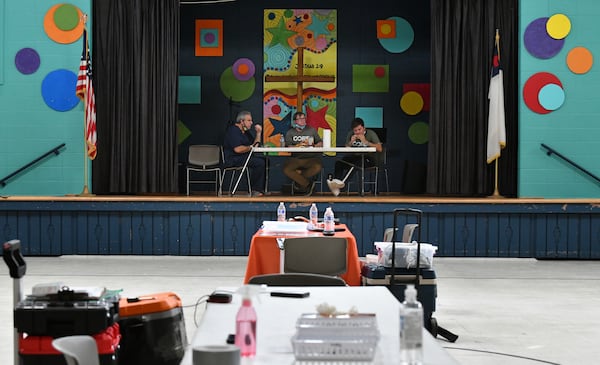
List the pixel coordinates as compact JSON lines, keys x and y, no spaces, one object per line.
{"x":209,"y":38}
{"x":538,"y":42}
{"x":27,"y":61}
{"x":243,"y":69}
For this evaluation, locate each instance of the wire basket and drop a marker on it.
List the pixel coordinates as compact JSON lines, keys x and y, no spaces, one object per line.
{"x":346,"y":337}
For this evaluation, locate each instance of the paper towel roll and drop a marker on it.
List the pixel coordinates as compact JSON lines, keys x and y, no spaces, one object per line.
{"x":326,"y":138}
{"x":216,"y":355}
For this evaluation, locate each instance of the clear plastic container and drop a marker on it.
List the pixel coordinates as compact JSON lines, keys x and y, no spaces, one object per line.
{"x":345,"y":337}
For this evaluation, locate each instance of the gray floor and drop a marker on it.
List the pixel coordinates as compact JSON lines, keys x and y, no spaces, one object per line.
{"x":506,"y":311}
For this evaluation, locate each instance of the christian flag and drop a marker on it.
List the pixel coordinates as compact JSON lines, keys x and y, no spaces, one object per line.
{"x":496,"y":127}
{"x":85,"y":91}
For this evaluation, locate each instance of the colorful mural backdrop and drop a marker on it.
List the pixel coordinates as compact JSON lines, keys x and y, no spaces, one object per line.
{"x":308,"y":37}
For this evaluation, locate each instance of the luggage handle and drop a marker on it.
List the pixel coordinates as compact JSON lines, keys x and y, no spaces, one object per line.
{"x":11,"y":252}
{"x":418,"y":214}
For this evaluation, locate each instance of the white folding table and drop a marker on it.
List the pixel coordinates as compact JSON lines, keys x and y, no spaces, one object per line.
{"x":277,"y":320}
{"x":321,"y":150}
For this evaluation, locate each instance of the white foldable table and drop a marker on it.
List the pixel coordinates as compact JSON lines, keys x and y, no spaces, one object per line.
{"x":277,"y":320}
{"x":321,"y":150}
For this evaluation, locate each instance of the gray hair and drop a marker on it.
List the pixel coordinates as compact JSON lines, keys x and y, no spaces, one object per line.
{"x":241,"y":115}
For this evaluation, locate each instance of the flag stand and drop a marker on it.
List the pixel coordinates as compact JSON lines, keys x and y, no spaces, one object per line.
{"x":88,"y":88}
{"x":496,"y":194}
{"x":86,"y":191}
{"x":496,"y":114}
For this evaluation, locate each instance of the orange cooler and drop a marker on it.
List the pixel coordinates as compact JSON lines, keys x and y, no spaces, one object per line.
{"x":152,"y":329}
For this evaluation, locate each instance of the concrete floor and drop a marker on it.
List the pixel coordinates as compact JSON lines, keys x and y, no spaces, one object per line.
{"x":505,"y":311}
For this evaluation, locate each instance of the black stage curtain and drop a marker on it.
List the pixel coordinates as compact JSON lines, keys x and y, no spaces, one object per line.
{"x":136,"y":55}
{"x":462,"y":41}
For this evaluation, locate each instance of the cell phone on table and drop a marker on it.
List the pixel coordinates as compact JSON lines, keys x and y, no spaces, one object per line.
{"x":290,"y":294}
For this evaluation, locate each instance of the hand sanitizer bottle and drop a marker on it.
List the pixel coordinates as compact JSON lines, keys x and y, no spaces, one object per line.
{"x":281,"y":141}
{"x":313,"y":214}
{"x":281,"y":212}
{"x":411,"y":328}
{"x":245,"y":324}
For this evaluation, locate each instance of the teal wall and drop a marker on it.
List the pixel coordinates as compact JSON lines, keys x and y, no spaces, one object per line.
{"x":28,"y":126}
{"x":574,"y":128}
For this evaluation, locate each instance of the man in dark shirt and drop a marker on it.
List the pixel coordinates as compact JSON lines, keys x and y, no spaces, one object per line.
{"x":237,"y":145}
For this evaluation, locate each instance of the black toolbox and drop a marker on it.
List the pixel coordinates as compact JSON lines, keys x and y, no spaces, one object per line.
{"x":64,"y":313}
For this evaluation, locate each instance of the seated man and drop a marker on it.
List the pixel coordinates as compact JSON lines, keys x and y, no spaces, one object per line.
{"x":359,"y":136}
{"x":301,"y":167}
{"x":237,"y":145}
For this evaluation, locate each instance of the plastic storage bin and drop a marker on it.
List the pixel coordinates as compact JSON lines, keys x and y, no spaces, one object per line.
{"x":406,"y":254}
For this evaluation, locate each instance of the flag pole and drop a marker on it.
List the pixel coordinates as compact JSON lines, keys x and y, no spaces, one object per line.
{"x":85,"y":191}
{"x":496,"y":193}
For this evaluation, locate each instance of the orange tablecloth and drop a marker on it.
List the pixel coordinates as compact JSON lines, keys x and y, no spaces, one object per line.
{"x":263,"y":257}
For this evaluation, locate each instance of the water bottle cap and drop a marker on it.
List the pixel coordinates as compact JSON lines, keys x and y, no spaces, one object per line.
{"x":410,"y":293}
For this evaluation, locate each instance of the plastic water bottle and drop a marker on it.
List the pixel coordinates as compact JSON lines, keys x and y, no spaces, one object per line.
{"x":282,"y":140}
{"x":313,"y":213}
{"x":281,"y":212}
{"x":411,"y":328}
{"x":328,"y":222}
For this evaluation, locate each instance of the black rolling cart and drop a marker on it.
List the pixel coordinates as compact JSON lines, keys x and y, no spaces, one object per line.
{"x":397,"y":278}
{"x":11,"y":253}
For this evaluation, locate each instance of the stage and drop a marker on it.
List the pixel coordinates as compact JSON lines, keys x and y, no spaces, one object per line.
{"x":207,"y":224}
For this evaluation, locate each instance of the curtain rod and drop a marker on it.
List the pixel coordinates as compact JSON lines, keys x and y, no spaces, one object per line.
{"x":201,"y":2}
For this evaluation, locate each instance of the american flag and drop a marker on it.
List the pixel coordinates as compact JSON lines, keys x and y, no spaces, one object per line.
{"x":85,"y":91}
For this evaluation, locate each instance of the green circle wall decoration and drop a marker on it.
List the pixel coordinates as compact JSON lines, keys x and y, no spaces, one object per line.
{"x":418,"y":133}
{"x":235,"y":89}
{"x":66,"y":17}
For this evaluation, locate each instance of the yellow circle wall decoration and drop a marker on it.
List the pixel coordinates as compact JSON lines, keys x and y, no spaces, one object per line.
{"x":411,"y":103}
{"x":558,"y":26}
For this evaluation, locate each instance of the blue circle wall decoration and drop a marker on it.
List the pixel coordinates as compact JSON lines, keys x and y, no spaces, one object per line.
{"x":27,"y":61}
{"x":58,"y":90}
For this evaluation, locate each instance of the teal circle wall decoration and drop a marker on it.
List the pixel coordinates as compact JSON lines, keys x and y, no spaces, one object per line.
{"x":405,"y":36}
